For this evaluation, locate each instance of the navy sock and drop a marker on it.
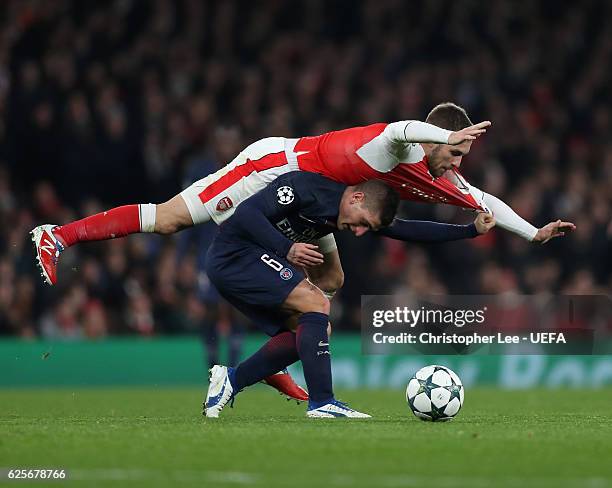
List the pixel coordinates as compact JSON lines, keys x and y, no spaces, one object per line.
{"x":313,"y":349}
{"x":276,"y":354}
{"x":210,"y":338}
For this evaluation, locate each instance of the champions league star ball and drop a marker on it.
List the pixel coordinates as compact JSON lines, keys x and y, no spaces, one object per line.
{"x":285,"y":195}
{"x":435,"y":393}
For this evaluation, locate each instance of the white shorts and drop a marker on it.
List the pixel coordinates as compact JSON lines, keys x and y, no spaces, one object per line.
{"x":217,"y":195}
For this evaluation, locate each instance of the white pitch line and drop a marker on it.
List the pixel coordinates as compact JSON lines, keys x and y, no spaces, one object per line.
{"x":119,"y":474}
{"x":336,"y":479}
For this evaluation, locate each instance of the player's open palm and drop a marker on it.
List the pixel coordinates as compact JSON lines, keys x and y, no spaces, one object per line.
{"x":484,"y":222}
{"x":552,"y":230}
{"x":469,"y":133}
{"x":304,"y":255}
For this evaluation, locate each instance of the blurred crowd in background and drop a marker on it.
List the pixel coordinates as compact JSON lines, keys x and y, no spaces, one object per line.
{"x":113,"y":102}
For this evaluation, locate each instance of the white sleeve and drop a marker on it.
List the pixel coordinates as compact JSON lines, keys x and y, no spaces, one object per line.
{"x":505,"y":217}
{"x":416,"y":131}
{"x":397,"y":142}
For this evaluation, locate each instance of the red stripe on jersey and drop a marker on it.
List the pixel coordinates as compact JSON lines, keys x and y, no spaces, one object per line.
{"x":268,"y":161}
{"x":334,"y":154}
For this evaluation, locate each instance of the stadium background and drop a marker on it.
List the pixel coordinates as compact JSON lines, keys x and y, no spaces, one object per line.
{"x":106,"y":103}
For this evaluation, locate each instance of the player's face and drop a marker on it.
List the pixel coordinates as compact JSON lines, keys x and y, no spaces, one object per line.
{"x":444,"y":157}
{"x":355,"y":217}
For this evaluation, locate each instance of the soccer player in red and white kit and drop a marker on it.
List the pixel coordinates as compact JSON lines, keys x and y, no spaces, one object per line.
{"x":419,"y":159}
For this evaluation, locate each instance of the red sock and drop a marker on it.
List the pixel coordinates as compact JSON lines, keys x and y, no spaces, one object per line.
{"x":117,"y":222}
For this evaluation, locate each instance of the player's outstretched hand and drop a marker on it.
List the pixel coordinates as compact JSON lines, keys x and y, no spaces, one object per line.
{"x":484,"y":222}
{"x":552,"y":230}
{"x":304,"y":255}
{"x":469,"y":133}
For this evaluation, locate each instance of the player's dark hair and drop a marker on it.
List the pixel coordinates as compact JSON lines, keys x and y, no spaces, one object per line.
{"x":449,"y":116}
{"x":380,"y":198}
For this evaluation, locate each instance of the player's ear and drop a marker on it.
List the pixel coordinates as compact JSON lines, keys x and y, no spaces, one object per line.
{"x":428,"y":147}
{"x":357,"y":197}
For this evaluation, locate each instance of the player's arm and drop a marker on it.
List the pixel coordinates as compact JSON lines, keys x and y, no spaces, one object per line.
{"x":253,"y":219}
{"x":409,"y":131}
{"x":424,"y":231}
{"x":508,"y":219}
{"x":250,"y":218}
{"x":391,"y":146}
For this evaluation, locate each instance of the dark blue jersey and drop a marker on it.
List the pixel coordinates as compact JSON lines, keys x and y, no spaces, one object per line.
{"x":303,"y":207}
{"x":296,"y":207}
{"x":247,"y":260}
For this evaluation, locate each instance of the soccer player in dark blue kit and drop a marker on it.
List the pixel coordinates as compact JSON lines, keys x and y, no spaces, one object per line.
{"x":257,"y":260}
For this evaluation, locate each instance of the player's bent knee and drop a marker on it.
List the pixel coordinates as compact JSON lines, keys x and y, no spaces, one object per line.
{"x":317,"y":303}
{"x":305,"y":298}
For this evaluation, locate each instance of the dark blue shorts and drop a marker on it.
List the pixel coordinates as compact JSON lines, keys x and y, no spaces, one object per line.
{"x":254,"y":280}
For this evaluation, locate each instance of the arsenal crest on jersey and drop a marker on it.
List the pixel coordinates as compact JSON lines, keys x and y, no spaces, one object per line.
{"x":224,"y":204}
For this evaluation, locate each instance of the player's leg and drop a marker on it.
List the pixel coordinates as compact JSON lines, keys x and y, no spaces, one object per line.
{"x":281,"y":350}
{"x":235,"y":335}
{"x":269,"y":364}
{"x":214,"y":196}
{"x":312,"y":340}
{"x":312,"y":343}
{"x":174,"y":215}
{"x":284,"y":348}
{"x":209,"y":333}
{"x":239,"y":279}
{"x":275,"y":355}
{"x":218,"y":310}
{"x":328,"y":277}
{"x":166,"y":218}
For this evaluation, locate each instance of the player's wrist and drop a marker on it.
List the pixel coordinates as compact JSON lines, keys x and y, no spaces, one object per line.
{"x":472,"y":230}
{"x":286,"y":248}
{"x":536,"y":236}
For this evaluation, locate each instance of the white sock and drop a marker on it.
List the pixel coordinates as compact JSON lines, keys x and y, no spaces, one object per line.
{"x":147,"y":217}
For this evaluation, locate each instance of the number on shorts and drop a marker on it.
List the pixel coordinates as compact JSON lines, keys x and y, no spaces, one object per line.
{"x":273,"y":263}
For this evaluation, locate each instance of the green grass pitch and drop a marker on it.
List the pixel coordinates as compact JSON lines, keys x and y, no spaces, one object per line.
{"x":157,"y":437}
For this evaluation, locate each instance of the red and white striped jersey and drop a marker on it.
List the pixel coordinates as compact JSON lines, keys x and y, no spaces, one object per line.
{"x":386,"y":152}
{"x":390,"y":152}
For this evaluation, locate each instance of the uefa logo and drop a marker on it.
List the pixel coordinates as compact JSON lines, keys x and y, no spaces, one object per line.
{"x":285,"y":195}
{"x":286,"y":274}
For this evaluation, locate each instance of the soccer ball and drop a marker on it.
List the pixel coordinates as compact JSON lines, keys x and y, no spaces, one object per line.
{"x":435,"y":393}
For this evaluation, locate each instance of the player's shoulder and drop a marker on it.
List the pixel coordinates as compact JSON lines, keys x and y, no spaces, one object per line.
{"x":311,"y":190}
{"x":307,"y":180}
